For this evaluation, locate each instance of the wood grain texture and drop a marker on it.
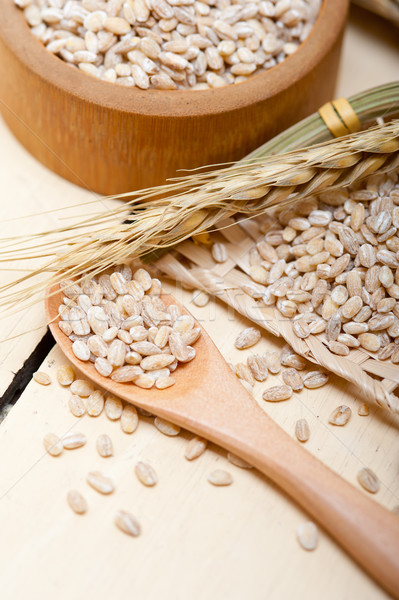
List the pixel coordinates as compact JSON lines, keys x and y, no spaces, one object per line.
{"x":111,"y":139}
{"x":209,"y":400}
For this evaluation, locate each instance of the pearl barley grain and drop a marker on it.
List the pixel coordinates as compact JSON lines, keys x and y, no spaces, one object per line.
{"x":219,"y":477}
{"x":307,"y":535}
{"x":42,"y":378}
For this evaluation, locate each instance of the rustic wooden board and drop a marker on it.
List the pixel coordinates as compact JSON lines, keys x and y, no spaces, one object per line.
{"x":207,"y":541}
{"x":197,"y":541}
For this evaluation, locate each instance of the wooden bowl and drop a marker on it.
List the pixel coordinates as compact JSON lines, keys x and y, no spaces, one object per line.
{"x":112,"y":139}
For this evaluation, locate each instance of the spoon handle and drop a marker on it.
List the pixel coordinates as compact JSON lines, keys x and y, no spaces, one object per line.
{"x":366,"y":530}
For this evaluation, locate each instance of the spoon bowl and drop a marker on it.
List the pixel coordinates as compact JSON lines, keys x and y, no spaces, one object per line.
{"x":210,"y":401}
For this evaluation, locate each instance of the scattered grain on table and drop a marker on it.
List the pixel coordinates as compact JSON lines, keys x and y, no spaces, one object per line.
{"x":340,"y":415}
{"x":219,"y":477}
{"x":292,"y":378}
{"x":129,"y":419}
{"x":77,"y":502}
{"x":52,"y":444}
{"x":42,"y":378}
{"x":77,"y":405}
{"x":104,"y":445}
{"x":73,"y":440}
{"x":277,"y":393}
{"x":307,"y":535}
{"x":166,"y":427}
{"x":127,"y":523}
{"x":100,"y":482}
{"x":195,"y":447}
{"x":368,"y":480}
{"x":65,"y":375}
{"x":302,"y":430}
{"x":244,"y":373}
{"x":200,"y":298}
{"x":363,"y":410}
{"x":247,"y":338}
{"x":82,"y":388}
{"x":113,"y":407}
{"x":146,"y":474}
{"x":95,"y":403}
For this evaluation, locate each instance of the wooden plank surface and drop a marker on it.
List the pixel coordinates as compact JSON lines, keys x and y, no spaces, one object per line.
{"x":197,"y":541}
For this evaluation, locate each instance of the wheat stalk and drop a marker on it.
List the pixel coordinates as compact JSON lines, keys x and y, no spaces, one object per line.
{"x":161,"y":217}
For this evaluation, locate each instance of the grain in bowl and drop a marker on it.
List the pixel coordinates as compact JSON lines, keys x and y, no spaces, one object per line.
{"x":171,"y":44}
{"x":119,"y":322}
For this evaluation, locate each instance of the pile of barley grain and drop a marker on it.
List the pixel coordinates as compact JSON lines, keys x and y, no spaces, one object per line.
{"x":170,"y":44}
{"x":120,"y":323}
{"x":332,"y":266}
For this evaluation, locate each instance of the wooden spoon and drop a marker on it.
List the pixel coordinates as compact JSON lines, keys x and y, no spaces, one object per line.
{"x":208,"y":400}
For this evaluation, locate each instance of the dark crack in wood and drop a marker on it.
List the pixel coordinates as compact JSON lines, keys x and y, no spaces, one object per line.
{"x":24,"y":375}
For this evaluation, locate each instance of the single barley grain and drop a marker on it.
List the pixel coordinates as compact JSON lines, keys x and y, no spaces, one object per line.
{"x":65,"y":375}
{"x":52,"y":444}
{"x":129,"y":419}
{"x":315,"y":379}
{"x":104,"y":445}
{"x":247,"y":338}
{"x":273,"y":362}
{"x":363,"y":410}
{"x":77,"y":502}
{"x":195,"y":447}
{"x":100,"y":482}
{"x":200,"y":298}
{"x":219,"y":477}
{"x":301,"y":329}
{"x":76,"y":405}
{"x":368,"y":480}
{"x":157,"y":361}
{"x":258,"y":366}
{"x":73,"y":440}
{"x":146,"y":474}
{"x":126,"y":374}
{"x":244,"y":373}
{"x":237,"y":461}
{"x":340,"y":416}
{"x":82,"y":388}
{"x":302,"y":430}
{"x":219,"y":253}
{"x":292,"y":378}
{"x":42,"y":378}
{"x":166,"y":427}
{"x":144,"y":381}
{"x":277,"y":393}
{"x":95,"y":403}
{"x":127,"y":523}
{"x":162,"y":383}
{"x":307,"y":535}
{"x":81,"y":350}
{"x":113,"y":407}
{"x":370,"y":342}
{"x":103,"y":366}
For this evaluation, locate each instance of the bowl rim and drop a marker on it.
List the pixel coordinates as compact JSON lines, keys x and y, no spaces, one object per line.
{"x":30,"y":51}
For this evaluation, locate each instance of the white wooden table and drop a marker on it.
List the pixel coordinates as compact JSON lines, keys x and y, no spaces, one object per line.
{"x":198,"y":541}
